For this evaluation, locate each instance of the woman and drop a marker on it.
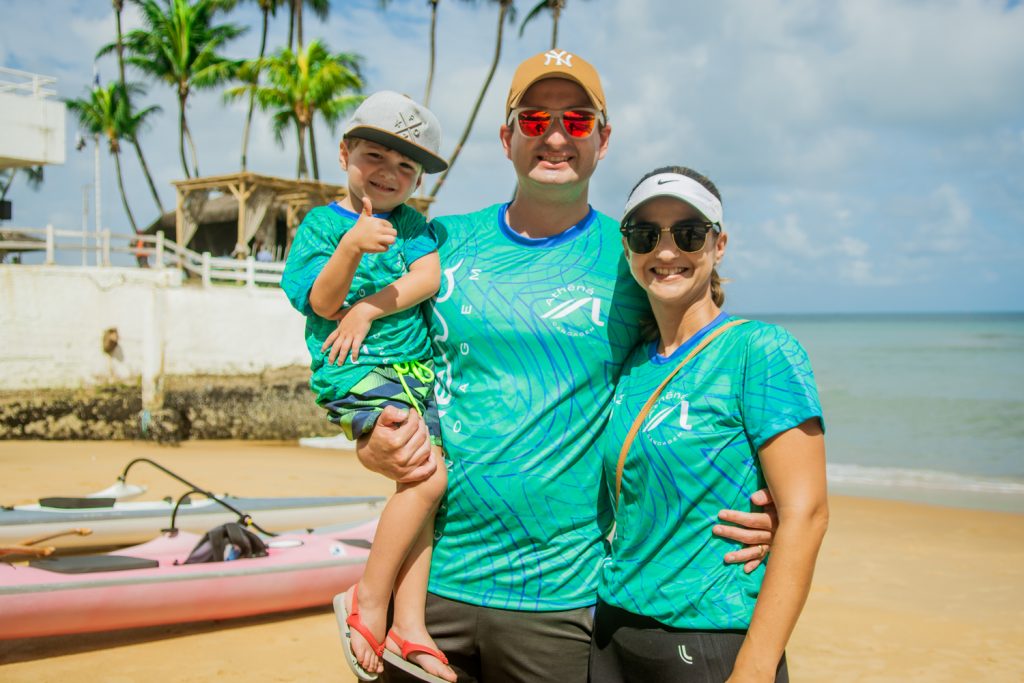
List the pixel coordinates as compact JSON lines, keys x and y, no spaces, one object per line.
{"x":685,"y":442}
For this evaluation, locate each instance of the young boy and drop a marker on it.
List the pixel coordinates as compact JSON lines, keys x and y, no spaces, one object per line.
{"x":365,"y":274}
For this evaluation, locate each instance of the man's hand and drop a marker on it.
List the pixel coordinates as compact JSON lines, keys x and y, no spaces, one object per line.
{"x":351,"y":331}
{"x":370,"y":234}
{"x":398,"y":447}
{"x":755,"y":530}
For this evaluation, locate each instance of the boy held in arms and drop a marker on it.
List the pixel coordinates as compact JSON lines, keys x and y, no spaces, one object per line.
{"x":363,"y":266}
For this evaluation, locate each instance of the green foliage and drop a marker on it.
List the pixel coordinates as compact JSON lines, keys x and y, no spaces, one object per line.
{"x":179,"y":47}
{"x":299,"y":85}
{"x":179,"y":44}
{"x":107,"y":112}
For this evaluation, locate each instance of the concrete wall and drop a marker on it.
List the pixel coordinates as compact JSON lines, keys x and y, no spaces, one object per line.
{"x":52,"y":321}
{"x":33,"y":131}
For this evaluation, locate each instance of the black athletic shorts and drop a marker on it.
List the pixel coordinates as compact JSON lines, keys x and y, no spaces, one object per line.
{"x":629,"y":648}
{"x":486,"y":645}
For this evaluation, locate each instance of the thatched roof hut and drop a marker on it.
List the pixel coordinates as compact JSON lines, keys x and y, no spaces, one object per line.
{"x":242,"y":213}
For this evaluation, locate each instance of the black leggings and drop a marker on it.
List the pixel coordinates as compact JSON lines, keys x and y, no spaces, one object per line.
{"x":629,"y":648}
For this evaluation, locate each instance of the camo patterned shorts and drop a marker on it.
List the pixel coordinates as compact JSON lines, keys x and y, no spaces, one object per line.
{"x":357,"y":412}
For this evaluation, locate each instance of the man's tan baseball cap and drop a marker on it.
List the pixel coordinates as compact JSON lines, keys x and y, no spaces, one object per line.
{"x":556,"y":64}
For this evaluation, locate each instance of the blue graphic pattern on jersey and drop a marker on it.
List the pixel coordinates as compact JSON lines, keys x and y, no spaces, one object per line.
{"x":529,"y":339}
{"x":752,"y":383}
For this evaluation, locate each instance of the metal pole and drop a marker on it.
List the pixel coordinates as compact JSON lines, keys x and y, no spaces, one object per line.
{"x":99,"y":220}
{"x":85,"y":224}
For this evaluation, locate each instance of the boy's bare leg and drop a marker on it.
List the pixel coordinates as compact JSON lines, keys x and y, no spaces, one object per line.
{"x":399,"y":527}
{"x":411,"y":598}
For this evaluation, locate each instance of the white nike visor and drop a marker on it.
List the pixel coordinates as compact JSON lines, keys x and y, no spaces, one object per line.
{"x":681,"y":187}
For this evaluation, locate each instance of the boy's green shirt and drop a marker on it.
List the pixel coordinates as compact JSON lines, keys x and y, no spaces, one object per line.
{"x":395,"y":338}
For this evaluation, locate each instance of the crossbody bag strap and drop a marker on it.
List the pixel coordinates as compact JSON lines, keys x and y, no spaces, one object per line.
{"x":654,"y":397}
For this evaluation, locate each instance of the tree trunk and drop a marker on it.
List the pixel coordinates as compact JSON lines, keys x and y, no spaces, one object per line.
{"x":191,"y":144}
{"x":291,"y":24}
{"x":181,"y":135}
{"x":433,"y":51}
{"x":302,"y":171}
{"x":298,"y":25}
{"x":120,"y":46}
{"x":149,"y":176}
{"x":252,"y":94}
{"x":479,"y":100}
{"x":120,"y":186}
{"x":118,"y":7}
{"x":312,"y":152}
{"x":555,"y":11}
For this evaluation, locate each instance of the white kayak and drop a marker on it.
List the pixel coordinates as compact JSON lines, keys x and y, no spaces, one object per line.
{"x":116,"y":523}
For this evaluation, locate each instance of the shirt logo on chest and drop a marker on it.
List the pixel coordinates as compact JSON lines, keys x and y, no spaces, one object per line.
{"x":573,"y":310}
{"x":669,"y":419}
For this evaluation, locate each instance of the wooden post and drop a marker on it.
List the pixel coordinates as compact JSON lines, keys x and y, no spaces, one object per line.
{"x":153,"y":343}
{"x":50,"y":244}
{"x":160,"y":249}
{"x":106,"y":247}
{"x":206,"y":269}
{"x":179,"y":221}
{"x":241,"y":192}
{"x":250,"y":272}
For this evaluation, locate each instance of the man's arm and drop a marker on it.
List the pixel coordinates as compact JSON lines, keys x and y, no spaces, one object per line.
{"x":755,"y":530}
{"x":369,"y":235}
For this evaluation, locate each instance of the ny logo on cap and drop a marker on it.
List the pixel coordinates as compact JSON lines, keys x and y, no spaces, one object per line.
{"x":407,"y":125}
{"x":559,"y":57}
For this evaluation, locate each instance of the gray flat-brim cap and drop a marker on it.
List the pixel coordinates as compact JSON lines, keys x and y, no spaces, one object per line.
{"x":402,"y":124}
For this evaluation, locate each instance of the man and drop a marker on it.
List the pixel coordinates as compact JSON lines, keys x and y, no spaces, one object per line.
{"x":535,"y":316}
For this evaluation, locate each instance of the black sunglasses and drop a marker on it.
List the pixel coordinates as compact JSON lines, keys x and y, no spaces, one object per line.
{"x":690,"y":236}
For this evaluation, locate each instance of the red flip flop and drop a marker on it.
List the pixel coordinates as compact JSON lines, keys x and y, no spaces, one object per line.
{"x":408,"y":648}
{"x":347,"y":620}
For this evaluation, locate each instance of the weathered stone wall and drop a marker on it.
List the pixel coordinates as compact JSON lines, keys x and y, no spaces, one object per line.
{"x":274,"y":405}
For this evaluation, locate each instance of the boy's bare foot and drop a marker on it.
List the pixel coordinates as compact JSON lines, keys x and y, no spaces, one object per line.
{"x":418,"y":634}
{"x":374,"y":618}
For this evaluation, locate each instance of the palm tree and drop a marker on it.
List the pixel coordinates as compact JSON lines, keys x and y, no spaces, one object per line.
{"x":118,"y":8}
{"x":179,"y":48}
{"x":299,"y":85}
{"x":506,"y":10}
{"x":267,"y":8}
{"x":106,"y":112}
{"x":556,"y":7}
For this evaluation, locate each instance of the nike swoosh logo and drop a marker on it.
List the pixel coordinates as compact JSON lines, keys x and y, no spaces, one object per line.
{"x":662,"y":182}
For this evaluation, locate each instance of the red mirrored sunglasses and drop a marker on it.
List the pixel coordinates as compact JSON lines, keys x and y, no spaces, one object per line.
{"x":578,"y":122}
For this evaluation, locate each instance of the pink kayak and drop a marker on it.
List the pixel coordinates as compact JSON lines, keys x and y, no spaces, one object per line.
{"x":78,"y":594}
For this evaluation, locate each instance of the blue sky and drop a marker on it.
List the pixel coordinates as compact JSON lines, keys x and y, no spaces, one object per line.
{"x":870,"y":152}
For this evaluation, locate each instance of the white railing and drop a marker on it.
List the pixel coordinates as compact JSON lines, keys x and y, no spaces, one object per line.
{"x":160,"y":252}
{"x":26,"y":83}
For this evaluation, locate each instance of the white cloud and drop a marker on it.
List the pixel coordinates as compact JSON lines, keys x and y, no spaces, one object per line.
{"x":850,"y":139}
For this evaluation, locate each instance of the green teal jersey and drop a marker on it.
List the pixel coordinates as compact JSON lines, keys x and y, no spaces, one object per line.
{"x":694,"y":455}
{"x":529,"y":338}
{"x":396,"y":338}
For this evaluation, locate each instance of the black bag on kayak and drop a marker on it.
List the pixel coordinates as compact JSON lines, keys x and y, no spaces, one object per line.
{"x":230,"y":541}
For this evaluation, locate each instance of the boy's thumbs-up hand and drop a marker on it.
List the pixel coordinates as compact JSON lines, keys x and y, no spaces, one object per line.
{"x":370,"y":234}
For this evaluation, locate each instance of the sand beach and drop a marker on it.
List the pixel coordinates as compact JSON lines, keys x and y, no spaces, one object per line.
{"x":903,"y":592}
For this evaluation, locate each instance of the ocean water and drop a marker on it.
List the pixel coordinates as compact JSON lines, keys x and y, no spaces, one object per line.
{"x":926,"y":408}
